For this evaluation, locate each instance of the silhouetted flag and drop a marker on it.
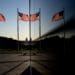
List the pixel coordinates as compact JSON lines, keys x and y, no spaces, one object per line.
{"x":58,"y":16}
{"x":2,"y":18}
{"x":23,"y":17}
{"x":34,"y":17}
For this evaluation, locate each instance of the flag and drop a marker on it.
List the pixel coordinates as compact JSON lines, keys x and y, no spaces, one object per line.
{"x":58,"y":16}
{"x":2,"y":18}
{"x":23,"y":17}
{"x":34,"y":17}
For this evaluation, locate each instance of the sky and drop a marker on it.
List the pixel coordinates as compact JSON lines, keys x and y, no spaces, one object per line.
{"x":48,"y":8}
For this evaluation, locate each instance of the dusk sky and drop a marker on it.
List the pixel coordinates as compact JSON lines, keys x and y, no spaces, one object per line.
{"x":48,"y":8}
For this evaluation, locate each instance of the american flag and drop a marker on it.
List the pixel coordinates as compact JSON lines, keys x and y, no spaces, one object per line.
{"x":34,"y":17}
{"x":2,"y":18}
{"x":58,"y":16}
{"x":23,"y":17}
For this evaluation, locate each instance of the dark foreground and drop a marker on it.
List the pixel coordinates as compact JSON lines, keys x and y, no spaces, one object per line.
{"x":36,"y":63}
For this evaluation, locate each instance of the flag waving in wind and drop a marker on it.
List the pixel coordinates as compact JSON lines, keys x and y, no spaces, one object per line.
{"x":58,"y":16}
{"x":34,"y":17}
{"x":23,"y":17}
{"x":2,"y":18}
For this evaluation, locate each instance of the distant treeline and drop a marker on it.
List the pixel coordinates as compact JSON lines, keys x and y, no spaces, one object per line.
{"x":57,"y":42}
{"x":52,"y":42}
{"x":9,"y":43}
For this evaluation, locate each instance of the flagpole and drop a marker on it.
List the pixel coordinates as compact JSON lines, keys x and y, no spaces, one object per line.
{"x":30,"y":34}
{"x":29,"y":21}
{"x":64,"y":29}
{"x":40,"y":27}
{"x":40,"y":23}
{"x":17,"y":31}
